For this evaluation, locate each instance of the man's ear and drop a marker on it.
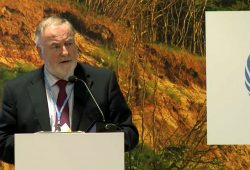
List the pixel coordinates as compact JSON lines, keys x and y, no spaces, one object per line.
{"x":39,"y":51}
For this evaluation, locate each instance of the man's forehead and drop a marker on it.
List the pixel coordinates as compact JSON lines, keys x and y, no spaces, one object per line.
{"x":58,"y":32}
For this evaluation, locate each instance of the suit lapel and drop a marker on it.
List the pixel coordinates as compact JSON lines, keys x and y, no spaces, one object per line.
{"x":80,"y":96}
{"x":38,"y":98}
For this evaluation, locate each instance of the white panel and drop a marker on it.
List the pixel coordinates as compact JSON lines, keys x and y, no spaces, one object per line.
{"x":228,"y":101}
{"x":64,"y":151}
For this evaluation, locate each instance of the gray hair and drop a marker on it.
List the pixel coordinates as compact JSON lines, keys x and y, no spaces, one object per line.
{"x":50,"y":21}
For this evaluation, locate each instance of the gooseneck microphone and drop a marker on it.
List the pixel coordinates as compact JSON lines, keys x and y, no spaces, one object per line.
{"x":73,"y":79}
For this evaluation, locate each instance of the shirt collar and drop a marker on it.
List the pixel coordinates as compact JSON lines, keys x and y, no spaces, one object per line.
{"x":52,"y":79}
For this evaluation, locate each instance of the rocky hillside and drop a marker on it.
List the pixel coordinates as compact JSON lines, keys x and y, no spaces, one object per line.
{"x":165,"y":87}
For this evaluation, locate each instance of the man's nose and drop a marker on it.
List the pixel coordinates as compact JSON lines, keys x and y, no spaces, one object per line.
{"x":65,"y":51}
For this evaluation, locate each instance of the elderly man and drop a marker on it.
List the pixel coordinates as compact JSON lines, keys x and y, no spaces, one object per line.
{"x":44,"y":100}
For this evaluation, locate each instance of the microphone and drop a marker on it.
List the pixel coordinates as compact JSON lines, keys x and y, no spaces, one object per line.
{"x":73,"y":79}
{"x":95,"y":126}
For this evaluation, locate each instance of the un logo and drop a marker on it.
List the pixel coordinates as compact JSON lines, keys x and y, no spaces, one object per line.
{"x":247,"y":71}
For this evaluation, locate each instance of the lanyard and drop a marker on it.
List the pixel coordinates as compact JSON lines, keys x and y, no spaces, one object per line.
{"x":54,"y":101}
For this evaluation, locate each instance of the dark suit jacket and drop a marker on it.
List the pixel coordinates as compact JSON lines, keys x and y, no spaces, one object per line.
{"x":25,"y":107}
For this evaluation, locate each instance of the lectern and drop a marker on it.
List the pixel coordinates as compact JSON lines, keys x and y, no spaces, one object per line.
{"x":64,"y":151}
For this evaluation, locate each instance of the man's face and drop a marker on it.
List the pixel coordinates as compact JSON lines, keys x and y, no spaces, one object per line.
{"x":58,"y":50}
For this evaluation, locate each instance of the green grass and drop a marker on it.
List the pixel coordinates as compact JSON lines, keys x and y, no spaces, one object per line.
{"x":150,"y":88}
{"x":8,"y":74}
{"x":184,"y":94}
{"x":151,"y":84}
{"x":177,"y":50}
{"x":106,"y":57}
{"x":172,"y":94}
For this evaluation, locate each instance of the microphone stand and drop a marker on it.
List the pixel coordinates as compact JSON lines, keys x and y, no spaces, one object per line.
{"x":92,"y":98}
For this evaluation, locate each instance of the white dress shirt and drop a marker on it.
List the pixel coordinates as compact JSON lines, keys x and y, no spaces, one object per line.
{"x":55,"y":90}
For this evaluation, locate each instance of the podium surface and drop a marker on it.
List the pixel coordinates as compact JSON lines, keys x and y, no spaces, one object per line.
{"x":64,"y":151}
